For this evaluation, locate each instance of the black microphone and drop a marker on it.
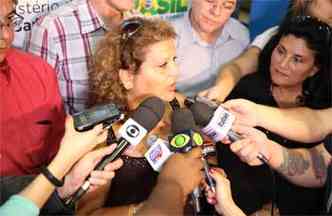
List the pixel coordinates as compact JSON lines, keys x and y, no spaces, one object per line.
{"x":184,"y":130}
{"x":215,"y":122}
{"x":143,"y":120}
{"x":184,"y":138}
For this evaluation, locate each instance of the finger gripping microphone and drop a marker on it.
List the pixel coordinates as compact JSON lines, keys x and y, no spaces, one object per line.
{"x":132,"y":132}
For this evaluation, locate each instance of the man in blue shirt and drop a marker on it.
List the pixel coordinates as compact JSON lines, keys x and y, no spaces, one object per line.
{"x":208,"y":38}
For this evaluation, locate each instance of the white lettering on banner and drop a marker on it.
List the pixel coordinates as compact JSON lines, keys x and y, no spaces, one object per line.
{"x":132,"y":132}
{"x":220,"y":124}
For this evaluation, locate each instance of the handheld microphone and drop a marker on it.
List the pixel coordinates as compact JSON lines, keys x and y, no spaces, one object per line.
{"x":158,"y":152}
{"x":185,"y":137}
{"x":216,"y":122}
{"x":143,"y":120}
{"x":183,"y":140}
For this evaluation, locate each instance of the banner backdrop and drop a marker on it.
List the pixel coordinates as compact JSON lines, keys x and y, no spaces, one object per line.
{"x":30,"y":10}
{"x":161,"y":7}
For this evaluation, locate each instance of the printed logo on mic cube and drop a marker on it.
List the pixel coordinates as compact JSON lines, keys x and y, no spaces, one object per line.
{"x":132,"y":132}
{"x":158,"y":154}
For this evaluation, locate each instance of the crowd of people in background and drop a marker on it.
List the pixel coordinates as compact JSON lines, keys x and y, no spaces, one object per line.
{"x":88,"y":52}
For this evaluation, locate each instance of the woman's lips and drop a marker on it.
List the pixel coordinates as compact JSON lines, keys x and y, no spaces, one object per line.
{"x":281,"y":73}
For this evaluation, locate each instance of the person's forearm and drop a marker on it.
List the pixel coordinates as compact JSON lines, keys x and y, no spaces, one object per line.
{"x":228,"y":77}
{"x":167,"y":198}
{"x":231,"y":73}
{"x":40,"y":189}
{"x":304,"y":167}
{"x":119,"y":210}
{"x":300,"y":124}
{"x":230,"y":209}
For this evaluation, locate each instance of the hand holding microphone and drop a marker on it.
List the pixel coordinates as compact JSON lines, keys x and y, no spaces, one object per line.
{"x":216,"y":122}
{"x":185,"y":138}
{"x":222,"y":199}
{"x":255,"y":148}
{"x":143,"y":120}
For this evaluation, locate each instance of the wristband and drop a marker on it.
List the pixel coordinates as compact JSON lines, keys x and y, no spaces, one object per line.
{"x":56,"y":182}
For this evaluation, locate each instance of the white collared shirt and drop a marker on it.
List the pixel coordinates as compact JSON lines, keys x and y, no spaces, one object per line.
{"x":199,"y":61}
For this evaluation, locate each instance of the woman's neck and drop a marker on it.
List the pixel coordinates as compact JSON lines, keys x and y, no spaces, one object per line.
{"x":287,"y":97}
{"x":133,"y":101}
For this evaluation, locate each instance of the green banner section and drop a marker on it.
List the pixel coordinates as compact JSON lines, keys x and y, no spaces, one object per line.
{"x":161,"y":7}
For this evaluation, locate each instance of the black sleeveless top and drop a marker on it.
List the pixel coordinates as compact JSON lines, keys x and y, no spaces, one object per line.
{"x":253,"y":186}
{"x":133,"y":182}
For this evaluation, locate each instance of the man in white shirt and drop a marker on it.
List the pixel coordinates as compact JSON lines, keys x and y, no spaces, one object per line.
{"x":208,"y":38}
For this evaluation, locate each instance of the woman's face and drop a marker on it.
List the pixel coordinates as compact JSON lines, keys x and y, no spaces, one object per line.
{"x":158,"y":73}
{"x":322,"y":9}
{"x":292,"y":62}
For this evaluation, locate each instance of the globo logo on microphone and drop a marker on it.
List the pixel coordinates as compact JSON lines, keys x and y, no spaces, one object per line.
{"x":132,"y":131}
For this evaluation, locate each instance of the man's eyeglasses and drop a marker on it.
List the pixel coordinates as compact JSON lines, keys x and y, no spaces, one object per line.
{"x":11,"y":20}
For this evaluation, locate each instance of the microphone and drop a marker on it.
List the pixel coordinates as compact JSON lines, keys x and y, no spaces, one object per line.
{"x":183,"y":126}
{"x":132,"y":132}
{"x":215,"y":122}
{"x":184,"y":139}
{"x":158,"y":152}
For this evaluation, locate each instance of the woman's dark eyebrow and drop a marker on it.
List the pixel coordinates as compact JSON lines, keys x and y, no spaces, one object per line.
{"x":299,"y":56}
{"x":280,"y":46}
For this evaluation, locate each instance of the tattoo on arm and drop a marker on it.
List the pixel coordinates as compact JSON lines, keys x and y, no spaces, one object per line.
{"x":294,"y":163}
{"x":318,"y":163}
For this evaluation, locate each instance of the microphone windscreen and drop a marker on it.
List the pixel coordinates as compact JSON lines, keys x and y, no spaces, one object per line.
{"x":149,"y":112}
{"x":202,"y":113}
{"x":182,"y":119}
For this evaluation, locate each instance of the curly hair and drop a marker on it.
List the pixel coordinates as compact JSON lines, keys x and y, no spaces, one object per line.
{"x":317,"y":34}
{"x":119,"y":50}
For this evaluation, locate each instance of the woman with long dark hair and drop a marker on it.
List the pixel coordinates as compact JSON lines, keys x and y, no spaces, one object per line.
{"x":293,"y":71}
